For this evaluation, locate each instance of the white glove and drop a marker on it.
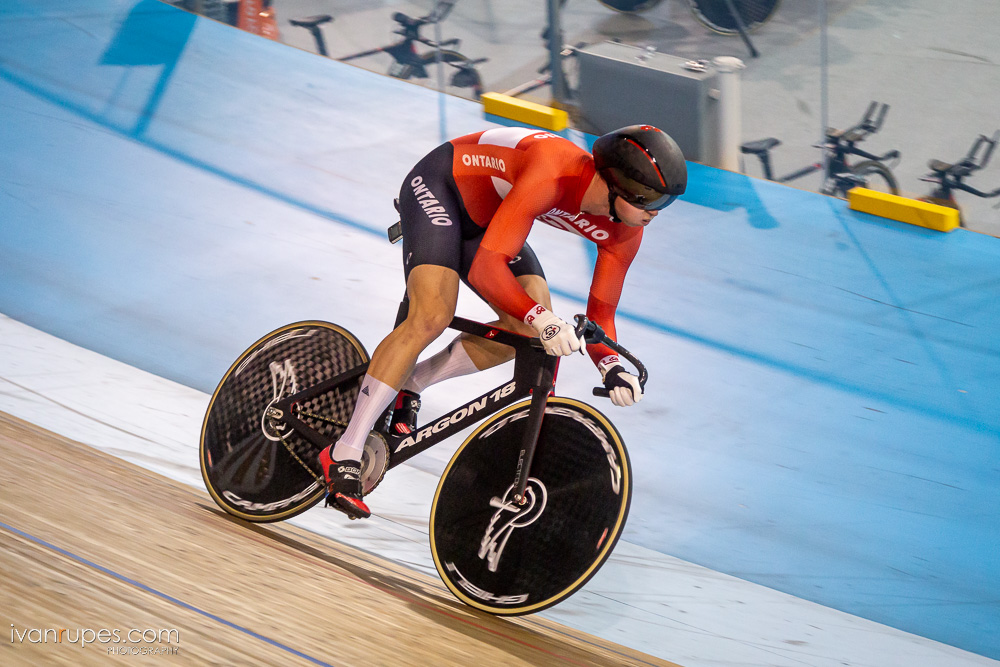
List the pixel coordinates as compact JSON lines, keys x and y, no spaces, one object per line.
{"x":558,"y":337}
{"x":622,"y":386}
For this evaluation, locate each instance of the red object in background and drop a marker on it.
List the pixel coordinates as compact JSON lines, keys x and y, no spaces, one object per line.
{"x":256,"y":18}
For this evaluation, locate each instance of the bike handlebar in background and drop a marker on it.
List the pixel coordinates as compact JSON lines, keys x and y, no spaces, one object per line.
{"x":891,"y":155}
{"x":594,"y":335}
{"x":873,"y":118}
{"x":869,"y":124}
{"x":951,"y":175}
{"x":978,"y":193}
{"x":992,"y":143}
{"x":438,"y":14}
{"x":970,"y":161}
{"x":881,"y":117}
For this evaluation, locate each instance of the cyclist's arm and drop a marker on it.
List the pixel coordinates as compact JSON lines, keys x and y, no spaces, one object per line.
{"x":504,"y":238}
{"x":612,"y":264}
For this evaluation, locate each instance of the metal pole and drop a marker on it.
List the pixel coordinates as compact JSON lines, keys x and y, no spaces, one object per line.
{"x":442,"y":120}
{"x":555,"y":52}
{"x":730,"y":119}
{"x":823,"y":71}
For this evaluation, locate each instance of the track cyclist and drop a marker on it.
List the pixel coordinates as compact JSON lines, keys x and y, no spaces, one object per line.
{"x":466,"y":209}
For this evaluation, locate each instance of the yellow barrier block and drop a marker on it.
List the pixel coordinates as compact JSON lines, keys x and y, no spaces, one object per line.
{"x":903,"y":209}
{"x":522,"y":111}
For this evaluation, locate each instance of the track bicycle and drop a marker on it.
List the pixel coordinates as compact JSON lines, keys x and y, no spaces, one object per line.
{"x":527,"y":510}
{"x":840,"y":173}
{"x":407,"y":63}
{"x":948,"y":177}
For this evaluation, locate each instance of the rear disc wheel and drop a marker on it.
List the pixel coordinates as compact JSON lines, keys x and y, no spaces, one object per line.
{"x":253,"y":465}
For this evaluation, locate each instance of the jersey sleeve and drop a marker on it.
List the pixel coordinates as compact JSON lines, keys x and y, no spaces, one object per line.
{"x":535,"y":192}
{"x":613,"y":261}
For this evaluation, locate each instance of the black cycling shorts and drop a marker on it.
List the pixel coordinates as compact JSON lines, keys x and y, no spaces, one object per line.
{"x":436,"y":227}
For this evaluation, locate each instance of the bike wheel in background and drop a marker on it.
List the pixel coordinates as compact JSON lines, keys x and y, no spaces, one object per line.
{"x":630,"y":6}
{"x":716,"y":16}
{"x":511,"y":559}
{"x":254,"y":468}
{"x":876,"y":176}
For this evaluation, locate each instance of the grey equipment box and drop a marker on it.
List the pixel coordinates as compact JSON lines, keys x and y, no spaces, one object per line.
{"x":623,"y":85}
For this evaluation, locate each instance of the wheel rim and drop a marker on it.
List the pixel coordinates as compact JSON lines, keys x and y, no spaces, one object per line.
{"x":508,"y":560}
{"x":251,"y":469}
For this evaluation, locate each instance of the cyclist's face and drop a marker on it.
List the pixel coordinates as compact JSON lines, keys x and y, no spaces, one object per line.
{"x":632,"y":216}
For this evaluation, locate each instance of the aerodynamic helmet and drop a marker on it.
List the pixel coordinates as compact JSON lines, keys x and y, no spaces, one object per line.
{"x":642,"y":165}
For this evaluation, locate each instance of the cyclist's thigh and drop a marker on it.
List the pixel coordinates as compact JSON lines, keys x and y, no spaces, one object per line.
{"x":432,"y":292}
{"x":432,"y":214}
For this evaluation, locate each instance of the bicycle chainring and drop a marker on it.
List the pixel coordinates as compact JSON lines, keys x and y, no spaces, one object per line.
{"x":374,"y":461}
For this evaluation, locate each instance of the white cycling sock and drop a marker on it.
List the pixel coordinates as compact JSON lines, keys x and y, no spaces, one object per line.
{"x":451,"y":362}
{"x":373,"y":399}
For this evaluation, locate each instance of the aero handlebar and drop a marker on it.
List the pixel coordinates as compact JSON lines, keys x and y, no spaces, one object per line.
{"x":594,"y":335}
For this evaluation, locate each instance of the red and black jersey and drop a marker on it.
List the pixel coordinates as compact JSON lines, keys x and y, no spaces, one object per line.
{"x":510,"y":177}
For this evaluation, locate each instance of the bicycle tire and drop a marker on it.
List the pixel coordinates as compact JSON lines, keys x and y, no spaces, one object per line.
{"x":876,"y":176}
{"x":448,"y":56}
{"x":630,"y":6}
{"x":579,"y":488}
{"x":252,"y":470}
{"x":715,"y":15}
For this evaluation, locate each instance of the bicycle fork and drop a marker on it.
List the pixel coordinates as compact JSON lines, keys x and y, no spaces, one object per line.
{"x":542,"y":386}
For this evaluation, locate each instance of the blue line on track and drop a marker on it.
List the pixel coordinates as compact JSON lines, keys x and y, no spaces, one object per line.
{"x":184,"y":158}
{"x":166,"y":597}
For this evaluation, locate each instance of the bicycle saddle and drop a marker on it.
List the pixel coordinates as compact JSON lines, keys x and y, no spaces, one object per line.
{"x":760,"y":146}
{"x":938,"y":166}
{"x":958,"y":170}
{"x":407,"y":21}
{"x":855,"y":135}
{"x":311,"y":21}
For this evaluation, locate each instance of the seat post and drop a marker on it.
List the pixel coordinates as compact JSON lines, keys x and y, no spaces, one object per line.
{"x":320,"y":41}
{"x":765,"y":161}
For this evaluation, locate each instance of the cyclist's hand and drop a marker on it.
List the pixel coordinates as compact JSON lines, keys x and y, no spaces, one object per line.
{"x":623,"y":387}
{"x":558,"y":337}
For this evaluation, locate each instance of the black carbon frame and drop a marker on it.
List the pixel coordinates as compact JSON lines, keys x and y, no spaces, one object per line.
{"x":534,"y":375}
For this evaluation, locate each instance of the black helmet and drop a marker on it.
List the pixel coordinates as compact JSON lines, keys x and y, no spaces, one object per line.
{"x":642,"y":165}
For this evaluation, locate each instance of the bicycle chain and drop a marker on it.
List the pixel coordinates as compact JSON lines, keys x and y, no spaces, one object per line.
{"x":295,"y":456}
{"x":328,"y":420}
{"x":300,"y":412}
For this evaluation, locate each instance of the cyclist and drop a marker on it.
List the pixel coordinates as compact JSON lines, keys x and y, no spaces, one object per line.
{"x":466,"y":209}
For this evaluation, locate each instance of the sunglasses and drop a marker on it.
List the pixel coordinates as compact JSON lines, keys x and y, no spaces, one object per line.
{"x":657,"y":204}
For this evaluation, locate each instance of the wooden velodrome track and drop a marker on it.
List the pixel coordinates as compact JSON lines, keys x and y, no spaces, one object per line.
{"x":88,"y":541}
